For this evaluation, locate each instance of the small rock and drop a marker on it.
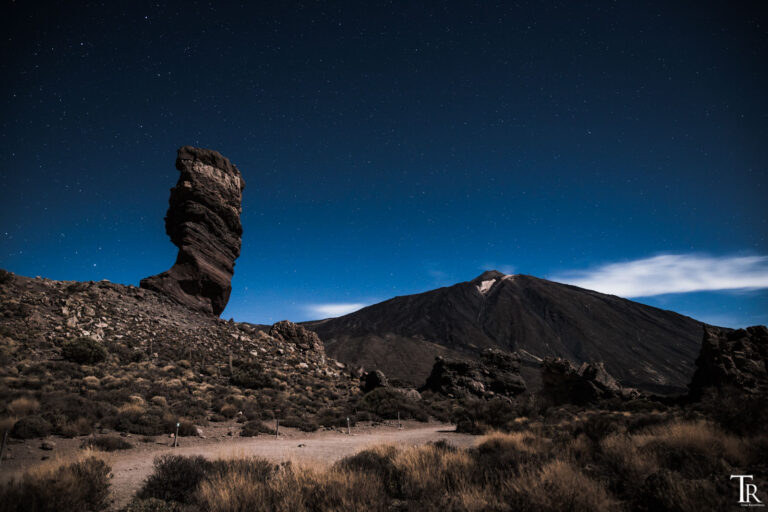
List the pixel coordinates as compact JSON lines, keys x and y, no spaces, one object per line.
{"x":47,"y":445}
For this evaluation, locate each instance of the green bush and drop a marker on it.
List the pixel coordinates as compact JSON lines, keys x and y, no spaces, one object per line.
{"x":80,"y":486}
{"x":30,"y":427}
{"x":84,"y":351}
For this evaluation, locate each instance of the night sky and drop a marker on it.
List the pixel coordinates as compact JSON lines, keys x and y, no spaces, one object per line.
{"x":390,"y":148}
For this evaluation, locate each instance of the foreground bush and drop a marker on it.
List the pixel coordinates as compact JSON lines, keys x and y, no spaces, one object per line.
{"x":81,"y":486}
{"x":581,"y":464}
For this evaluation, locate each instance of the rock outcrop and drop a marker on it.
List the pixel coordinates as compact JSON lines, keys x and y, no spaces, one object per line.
{"x":203,"y":221}
{"x":290,"y":332}
{"x":373,"y":379}
{"x":563,"y":383}
{"x":732,"y":359}
{"x":493,"y":373}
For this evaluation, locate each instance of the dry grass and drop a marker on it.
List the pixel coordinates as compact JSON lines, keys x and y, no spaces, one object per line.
{"x":23,"y":406}
{"x":672,"y":466}
{"x":77,"y":482}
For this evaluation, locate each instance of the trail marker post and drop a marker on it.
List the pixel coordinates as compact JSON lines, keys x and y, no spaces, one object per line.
{"x":176,"y":437}
{"x":399,"y":425}
{"x":2,"y":449}
{"x":349,"y":428}
{"x":277,"y":428}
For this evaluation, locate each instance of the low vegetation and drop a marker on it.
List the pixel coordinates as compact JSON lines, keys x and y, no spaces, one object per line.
{"x":81,"y":484}
{"x":677,"y":465}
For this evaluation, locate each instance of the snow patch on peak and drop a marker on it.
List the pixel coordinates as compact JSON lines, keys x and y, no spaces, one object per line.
{"x":484,"y":286}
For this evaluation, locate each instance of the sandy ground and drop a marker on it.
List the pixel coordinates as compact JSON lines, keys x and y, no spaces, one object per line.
{"x":131,"y":467}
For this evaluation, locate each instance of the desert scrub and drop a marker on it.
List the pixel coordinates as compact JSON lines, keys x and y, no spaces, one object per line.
{"x":79,"y":485}
{"x":254,"y":428}
{"x":107,"y":443}
{"x":84,"y":351}
{"x":31,"y":427}
{"x":23,"y":406}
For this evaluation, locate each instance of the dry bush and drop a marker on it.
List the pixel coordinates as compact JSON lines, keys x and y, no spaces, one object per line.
{"x":23,"y":406}
{"x":557,"y":486}
{"x":79,"y":484}
{"x":79,"y":427}
{"x":107,"y":443}
{"x":292,"y":488}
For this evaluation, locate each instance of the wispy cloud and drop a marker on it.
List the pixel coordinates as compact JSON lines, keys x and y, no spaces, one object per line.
{"x":334,"y":309}
{"x":672,"y":273}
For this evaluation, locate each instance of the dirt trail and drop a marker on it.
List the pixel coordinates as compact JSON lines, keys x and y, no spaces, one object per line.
{"x":131,"y":468}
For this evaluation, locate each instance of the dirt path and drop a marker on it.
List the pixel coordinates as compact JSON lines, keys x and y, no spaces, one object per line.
{"x":131,"y":467}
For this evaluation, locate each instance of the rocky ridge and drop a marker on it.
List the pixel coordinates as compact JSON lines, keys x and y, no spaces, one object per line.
{"x":154,"y":348}
{"x":203,"y":221}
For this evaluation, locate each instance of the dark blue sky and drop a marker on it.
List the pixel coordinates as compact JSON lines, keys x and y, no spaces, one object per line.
{"x":392,"y":148}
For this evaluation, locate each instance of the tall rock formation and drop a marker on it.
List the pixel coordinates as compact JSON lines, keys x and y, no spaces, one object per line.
{"x":736,"y":359}
{"x":203,"y":221}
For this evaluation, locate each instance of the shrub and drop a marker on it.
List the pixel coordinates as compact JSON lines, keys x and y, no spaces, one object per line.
{"x":251,"y":375}
{"x":84,"y":351}
{"x":385,"y":403}
{"x":23,"y":406}
{"x":79,"y":486}
{"x":254,"y":428}
{"x":107,"y":443}
{"x":152,"y":505}
{"x":30,"y":427}
{"x":557,"y":486}
{"x":175,"y":478}
{"x":379,"y":462}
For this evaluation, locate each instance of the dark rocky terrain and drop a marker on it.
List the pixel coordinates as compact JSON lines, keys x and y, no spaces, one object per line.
{"x":736,"y":359}
{"x":203,"y":221}
{"x":494,"y":373}
{"x":97,"y":355}
{"x":641,"y":346}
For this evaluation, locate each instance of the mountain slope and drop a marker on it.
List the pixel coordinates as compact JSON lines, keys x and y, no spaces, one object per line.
{"x":642,"y":346}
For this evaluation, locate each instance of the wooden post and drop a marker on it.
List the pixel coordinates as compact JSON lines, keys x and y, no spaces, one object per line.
{"x":277,"y":428}
{"x":349,"y":428}
{"x":399,"y":425}
{"x":176,"y":438}
{"x":2,"y":449}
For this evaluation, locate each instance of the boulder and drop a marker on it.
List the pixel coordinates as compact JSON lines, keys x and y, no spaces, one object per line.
{"x":203,"y":221}
{"x":494,"y":373}
{"x":563,"y":383}
{"x":373,"y":379}
{"x":290,"y":332}
{"x":735,"y":359}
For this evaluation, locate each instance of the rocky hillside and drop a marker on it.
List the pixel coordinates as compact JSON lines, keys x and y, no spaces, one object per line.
{"x":641,"y":346}
{"x":82,"y":355}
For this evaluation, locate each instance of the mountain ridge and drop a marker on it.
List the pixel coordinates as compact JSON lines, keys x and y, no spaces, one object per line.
{"x":642,"y":346}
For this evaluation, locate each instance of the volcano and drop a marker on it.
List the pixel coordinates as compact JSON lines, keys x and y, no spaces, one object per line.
{"x":642,"y":346}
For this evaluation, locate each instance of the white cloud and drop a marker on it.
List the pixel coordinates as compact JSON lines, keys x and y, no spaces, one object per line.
{"x":672,"y":273}
{"x":334,"y":309}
